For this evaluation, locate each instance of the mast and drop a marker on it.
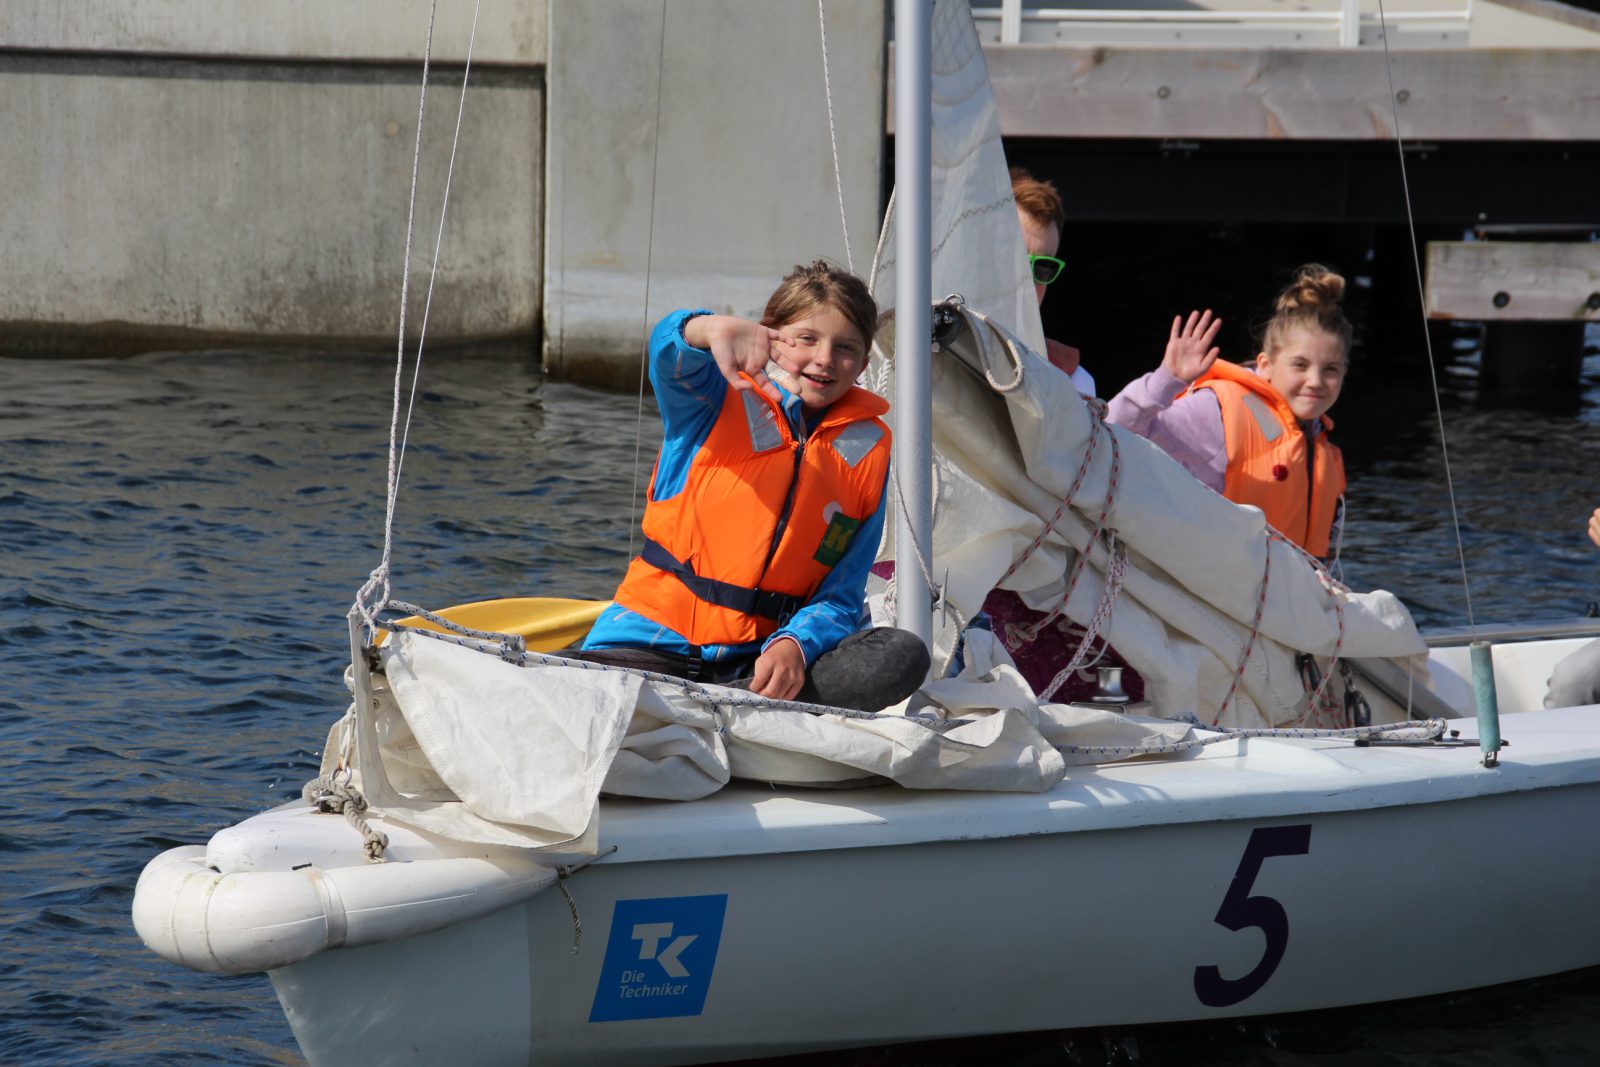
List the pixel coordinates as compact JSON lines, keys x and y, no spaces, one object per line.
{"x":913,"y":91}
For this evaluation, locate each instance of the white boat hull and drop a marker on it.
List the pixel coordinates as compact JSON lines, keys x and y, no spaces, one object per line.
{"x":1096,"y":904}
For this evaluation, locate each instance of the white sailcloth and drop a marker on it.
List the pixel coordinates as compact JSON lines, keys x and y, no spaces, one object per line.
{"x":465,"y":745}
{"x":1208,"y":594}
{"x":976,"y":241}
{"x":1010,"y":434}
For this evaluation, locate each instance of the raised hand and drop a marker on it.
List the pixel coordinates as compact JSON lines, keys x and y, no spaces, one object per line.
{"x":1190,"y":351}
{"x":741,"y":347}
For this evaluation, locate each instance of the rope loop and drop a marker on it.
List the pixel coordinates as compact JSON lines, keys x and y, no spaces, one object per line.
{"x":331,"y":796}
{"x":511,"y":645}
{"x":1100,"y":527}
{"x":1116,"y":574}
{"x":1255,"y":628}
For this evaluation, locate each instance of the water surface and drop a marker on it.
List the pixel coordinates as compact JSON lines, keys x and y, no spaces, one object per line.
{"x":182,"y":535}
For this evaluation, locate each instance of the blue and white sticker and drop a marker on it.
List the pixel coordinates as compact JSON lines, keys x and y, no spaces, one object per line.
{"x":659,"y":958}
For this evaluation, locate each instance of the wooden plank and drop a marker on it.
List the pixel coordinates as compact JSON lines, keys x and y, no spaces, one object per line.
{"x":1526,"y":281}
{"x":1557,"y":12}
{"x":1498,"y":94}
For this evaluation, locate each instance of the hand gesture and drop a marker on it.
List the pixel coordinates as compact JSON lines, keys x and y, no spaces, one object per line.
{"x":1190,"y":352}
{"x":780,"y":670}
{"x":1594,"y":527}
{"x":741,"y":347}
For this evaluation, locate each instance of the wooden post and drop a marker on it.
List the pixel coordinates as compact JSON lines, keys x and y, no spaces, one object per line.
{"x":1534,"y":297}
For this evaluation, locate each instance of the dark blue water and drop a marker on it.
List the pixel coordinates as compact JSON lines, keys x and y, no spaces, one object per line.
{"x":180,"y":536}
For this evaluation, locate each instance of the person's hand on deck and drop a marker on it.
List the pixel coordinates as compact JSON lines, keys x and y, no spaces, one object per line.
{"x":741,"y":347}
{"x":780,"y":670}
{"x":1190,"y":351}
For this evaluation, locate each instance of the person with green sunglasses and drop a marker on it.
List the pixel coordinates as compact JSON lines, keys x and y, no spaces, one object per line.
{"x":1045,"y":269}
{"x":1040,"y":658}
{"x":1040,"y":213}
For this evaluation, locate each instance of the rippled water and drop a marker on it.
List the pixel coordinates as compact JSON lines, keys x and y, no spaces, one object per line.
{"x":181,"y":536}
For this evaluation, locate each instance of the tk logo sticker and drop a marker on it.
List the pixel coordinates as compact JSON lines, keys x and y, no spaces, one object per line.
{"x":659,"y":958}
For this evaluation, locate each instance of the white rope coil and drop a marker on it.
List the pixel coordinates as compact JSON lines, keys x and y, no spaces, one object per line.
{"x":334,"y":796}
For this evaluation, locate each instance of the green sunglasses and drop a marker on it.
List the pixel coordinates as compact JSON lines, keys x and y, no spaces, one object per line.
{"x":1045,"y":269}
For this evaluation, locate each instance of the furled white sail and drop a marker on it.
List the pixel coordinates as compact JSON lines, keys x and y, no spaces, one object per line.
{"x":976,"y":241}
{"x":1011,"y":434}
{"x":1212,"y":607}
{"x":465,"y":745}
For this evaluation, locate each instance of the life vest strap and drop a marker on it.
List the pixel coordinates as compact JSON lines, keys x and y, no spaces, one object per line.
{"x":779,"y":607}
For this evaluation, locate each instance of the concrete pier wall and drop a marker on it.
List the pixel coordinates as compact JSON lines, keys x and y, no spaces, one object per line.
{"x":182,"y":172}
{"x":690,"y":162}
{"x":196,"y":172}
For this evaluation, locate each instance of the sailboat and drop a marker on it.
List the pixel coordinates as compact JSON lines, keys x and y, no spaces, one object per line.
{"x":511,"y":858}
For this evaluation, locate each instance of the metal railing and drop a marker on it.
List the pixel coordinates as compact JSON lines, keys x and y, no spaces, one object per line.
{"x":1347,"y":18}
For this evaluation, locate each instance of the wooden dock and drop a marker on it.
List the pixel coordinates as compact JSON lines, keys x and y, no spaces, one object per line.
{"x":1187,"y":70}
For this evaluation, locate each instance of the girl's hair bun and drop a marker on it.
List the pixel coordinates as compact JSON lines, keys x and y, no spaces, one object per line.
{"x":1314,"y":289}
{"x":1311,"y":299}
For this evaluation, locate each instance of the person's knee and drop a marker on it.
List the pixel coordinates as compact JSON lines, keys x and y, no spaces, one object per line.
{"x":869,"y":670}
{"x":906,"y":649}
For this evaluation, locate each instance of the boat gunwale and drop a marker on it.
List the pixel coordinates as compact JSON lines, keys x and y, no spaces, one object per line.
{"x":1293,"y":778}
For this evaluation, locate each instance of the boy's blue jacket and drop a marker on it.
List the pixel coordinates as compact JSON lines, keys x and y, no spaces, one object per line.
{"x":690,"y":391}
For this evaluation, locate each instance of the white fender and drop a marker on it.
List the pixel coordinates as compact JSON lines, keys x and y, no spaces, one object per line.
{"x":257,"y":920}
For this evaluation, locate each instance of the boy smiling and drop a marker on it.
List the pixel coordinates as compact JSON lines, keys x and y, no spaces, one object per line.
{"x":766,"y":506}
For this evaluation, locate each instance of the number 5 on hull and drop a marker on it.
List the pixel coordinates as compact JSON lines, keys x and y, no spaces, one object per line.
{"x":1240,"y":910}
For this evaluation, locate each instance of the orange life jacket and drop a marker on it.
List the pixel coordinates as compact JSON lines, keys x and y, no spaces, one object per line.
{"x":752,"y":484}
{"x":1268,"y":463}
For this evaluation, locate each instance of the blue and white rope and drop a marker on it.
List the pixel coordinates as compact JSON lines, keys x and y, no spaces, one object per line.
{"x":1425,"y":730}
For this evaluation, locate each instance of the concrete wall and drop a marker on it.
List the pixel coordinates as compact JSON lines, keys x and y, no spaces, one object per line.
{"x":193,"y":171}
{"x":509,"y":31}
{"x":713,"y":203}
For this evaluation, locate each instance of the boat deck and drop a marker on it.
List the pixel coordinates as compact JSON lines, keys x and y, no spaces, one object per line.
{"x":1231,"y":780}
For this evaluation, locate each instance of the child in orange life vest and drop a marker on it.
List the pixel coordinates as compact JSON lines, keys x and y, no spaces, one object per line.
{"x":1257,"y":436}
{"x":766,"y":506}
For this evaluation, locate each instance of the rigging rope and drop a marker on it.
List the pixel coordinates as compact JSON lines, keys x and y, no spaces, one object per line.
{"x":336,"y":793}
{"x":438,"y":242}
{"x":649,"y":256}
{"x":833,"y":137}
{"x":1426,"y":730}
{"x":731,"y":698}
{"x":379,"y":580}
{"x":877,"y":252}
{"x":1416,"y":266}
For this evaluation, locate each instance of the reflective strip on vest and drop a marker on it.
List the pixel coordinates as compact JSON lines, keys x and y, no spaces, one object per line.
{"x":764,"y":432}
{"x":856,"y":440}
{"x":1266,"y":418}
